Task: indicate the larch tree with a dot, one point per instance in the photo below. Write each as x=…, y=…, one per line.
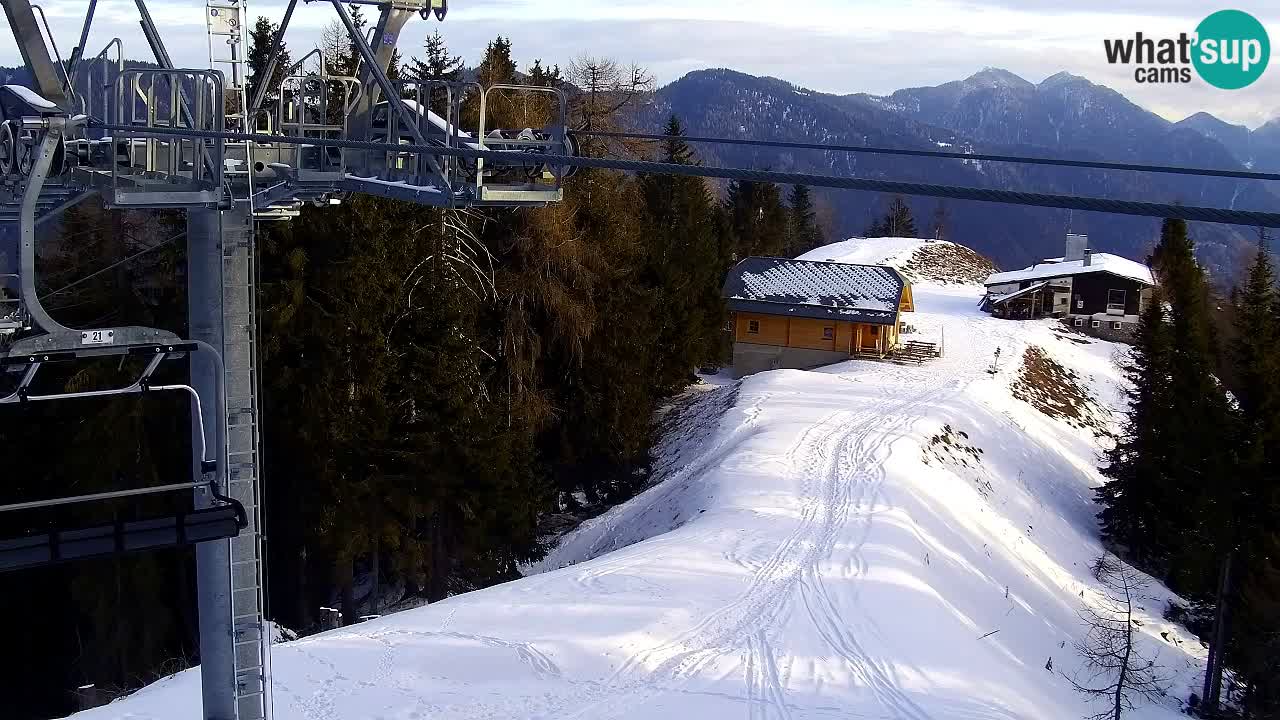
x=1116, y=673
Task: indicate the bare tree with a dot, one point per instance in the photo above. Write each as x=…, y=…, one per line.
x=1116, y=672
x=603, y=88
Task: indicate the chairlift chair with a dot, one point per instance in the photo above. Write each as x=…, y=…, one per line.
x=32, y=339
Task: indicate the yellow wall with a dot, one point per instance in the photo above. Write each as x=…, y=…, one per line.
x=807, y=333
x=845, y=336
x=773, y=329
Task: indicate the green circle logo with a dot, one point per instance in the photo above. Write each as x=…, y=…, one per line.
x=1232, y=49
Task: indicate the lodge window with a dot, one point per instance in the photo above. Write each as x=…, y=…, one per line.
x=1079, y=322
x=1115, y=300
x=1116, y=326
x=753, y=327
x=1079, y=302
x=1095, y=324
x=828, y=333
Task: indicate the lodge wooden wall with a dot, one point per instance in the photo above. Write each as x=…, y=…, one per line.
x=809, y=333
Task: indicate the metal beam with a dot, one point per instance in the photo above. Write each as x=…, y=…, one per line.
x=30, y=41
x=390, y=22
x=410, y=119
x=77, y=52
x=27, y=228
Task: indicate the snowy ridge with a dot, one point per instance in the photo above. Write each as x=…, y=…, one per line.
x=864, y=541
x=918, y=259
x=892, y=251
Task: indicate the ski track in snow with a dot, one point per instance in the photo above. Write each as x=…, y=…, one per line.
x=780, y=572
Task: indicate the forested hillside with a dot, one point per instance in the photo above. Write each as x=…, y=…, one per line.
x=439, y=386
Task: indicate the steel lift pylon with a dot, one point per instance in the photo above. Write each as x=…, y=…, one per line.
x=149, y=138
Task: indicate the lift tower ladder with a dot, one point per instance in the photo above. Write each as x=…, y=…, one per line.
x=252, y=636
x=240, y=356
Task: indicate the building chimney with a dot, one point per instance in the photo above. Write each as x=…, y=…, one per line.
x=1088, y=257
x=1075, y=249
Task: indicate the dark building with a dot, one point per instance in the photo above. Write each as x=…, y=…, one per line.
x=1098, y=293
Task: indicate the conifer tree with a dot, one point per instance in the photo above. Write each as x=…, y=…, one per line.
x=1258, y=630
x=757, y=218
x=1134, y=497
x=1199, y=422
x=1255, y=354
x=439, y=63
x=803, y=233
x=684, y=266
x=1256, y=362
x=897, y=222
x=261, y=38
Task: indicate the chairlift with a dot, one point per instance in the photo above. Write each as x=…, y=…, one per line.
x=32, y=339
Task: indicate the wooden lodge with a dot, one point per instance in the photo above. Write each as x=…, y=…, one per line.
x=1096, y=293
x=802, y=314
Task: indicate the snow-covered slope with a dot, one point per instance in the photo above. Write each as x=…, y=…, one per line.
x=865, y=541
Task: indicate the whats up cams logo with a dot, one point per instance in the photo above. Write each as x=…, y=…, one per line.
x=1229, y=50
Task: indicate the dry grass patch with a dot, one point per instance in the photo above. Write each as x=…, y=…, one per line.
x=951, y=448
x=1044, y=384
x=946, y=262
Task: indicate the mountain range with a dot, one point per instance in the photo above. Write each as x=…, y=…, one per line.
x=993, y=111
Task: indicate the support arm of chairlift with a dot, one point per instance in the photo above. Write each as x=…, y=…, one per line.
x=35, y=54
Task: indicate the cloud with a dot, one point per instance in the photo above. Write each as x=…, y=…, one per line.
x=841, y=46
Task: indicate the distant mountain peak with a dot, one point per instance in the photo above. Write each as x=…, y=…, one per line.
x=1206, y=121
x=1064, y=78
x=1201, y=116
x=994, y=76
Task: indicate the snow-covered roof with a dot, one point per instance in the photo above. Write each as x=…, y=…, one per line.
x=1005, y=297
x=823, y=290
x=1100, y=262
x=30, y=97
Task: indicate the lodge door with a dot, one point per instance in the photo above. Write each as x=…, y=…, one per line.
x=870, y=337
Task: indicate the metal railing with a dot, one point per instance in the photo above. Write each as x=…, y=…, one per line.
x=553, y=142
x=444, y=131
x=181, y=99
x=306, y=109
x=103, y=92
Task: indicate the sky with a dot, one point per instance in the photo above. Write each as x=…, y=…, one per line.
x=837, y=46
